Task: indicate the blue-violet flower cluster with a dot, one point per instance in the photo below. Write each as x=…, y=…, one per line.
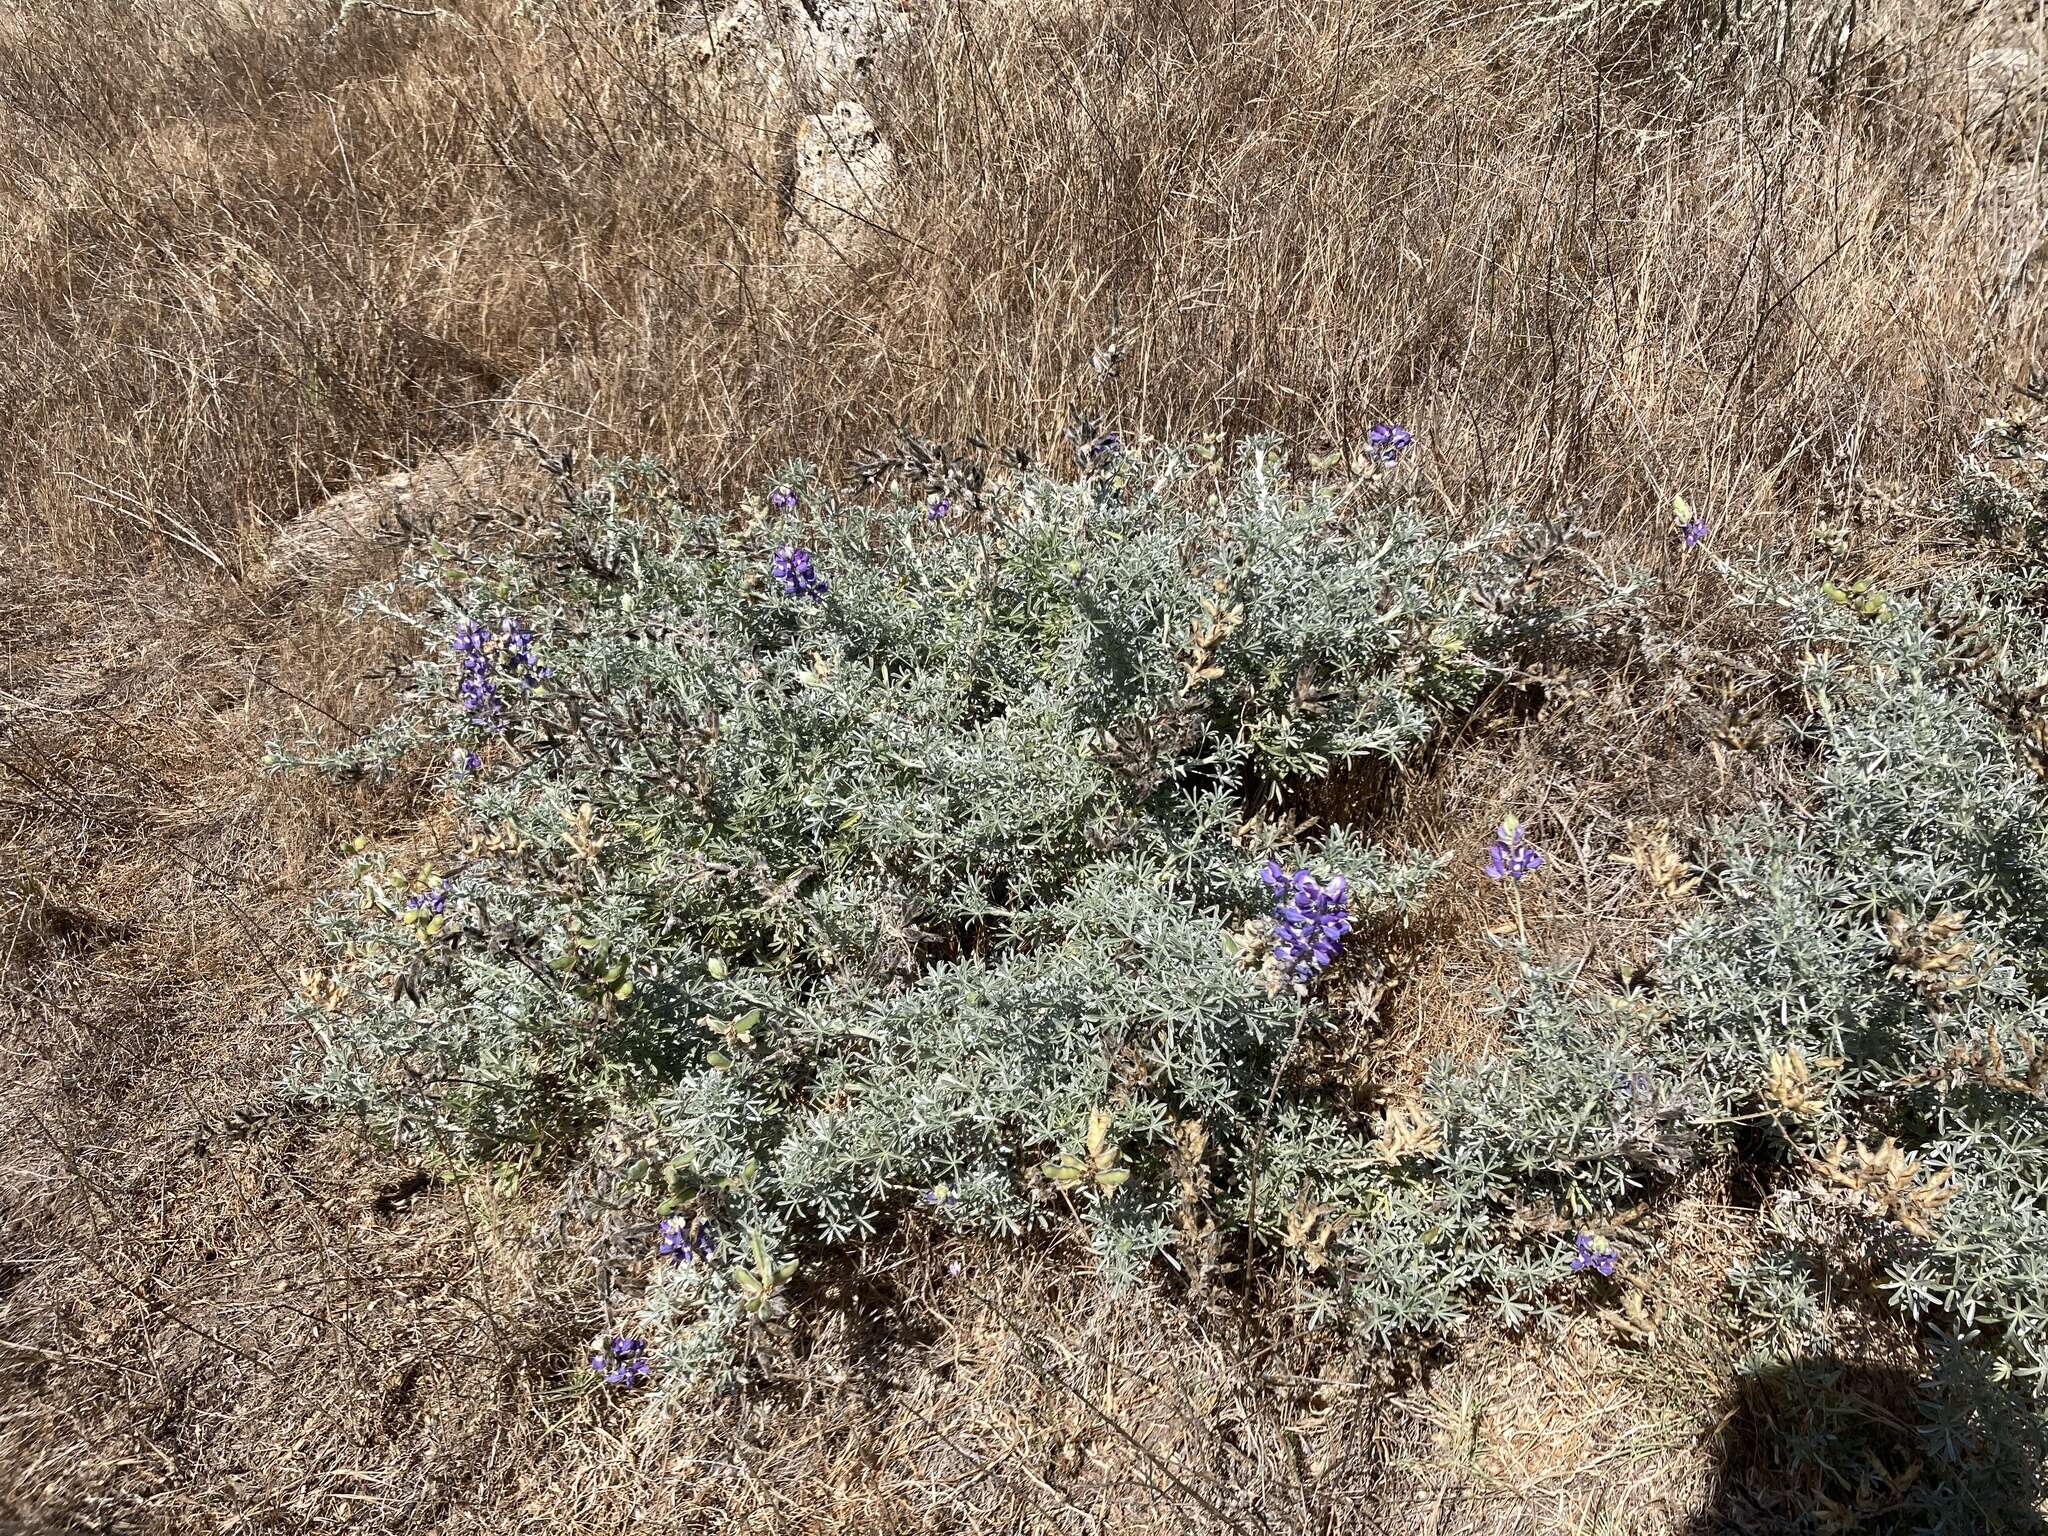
x=796, y=575
x=1592, y=1253
x=487, y=656
x=1309, y=919
x=1388, y=441
x=622, y=1362
x=1508, y=857
x=687, y=1240
x=1099, y=451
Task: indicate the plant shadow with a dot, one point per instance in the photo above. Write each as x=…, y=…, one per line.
x=1830, y=1443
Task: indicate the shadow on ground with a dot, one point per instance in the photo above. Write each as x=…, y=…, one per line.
x=1831, y=1444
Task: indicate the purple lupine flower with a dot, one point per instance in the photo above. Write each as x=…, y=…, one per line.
x=797, y=576
x=1100, y=450
x=468, y=642
x=1508, y=857
x=1388, y=441
x=938, y=509
x=1592, y=1253
x=1694, y=531
x=486, y=655
x=622, y=1362
x=515, y=652
x=479, y=695
x=1309, y=919
x=434, y=901
x=687, y=1240
x=467, y=762
x=938, y=1195
x=782, y=499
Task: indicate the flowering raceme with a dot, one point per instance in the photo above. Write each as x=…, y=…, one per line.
x=1592, y=1253
x=1388, y=441
x=1689, y=524
x=485, y=657
x=795, y=573
x=622, y=1362
x=478, y=693
x=687, y=1240
x=1508, y=857
x=1309, y=919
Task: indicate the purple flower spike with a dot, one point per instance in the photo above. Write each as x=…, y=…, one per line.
x=782, y=499
x=1098, y=451
x=938, y=509
x=1310, y=919
x=1592, y=1253
x=1388, y=441
x=515, y=653
x=1508, y=857
x=486, y=655
x=478, y=693
x=622, y=1362
x=687, y=1240
x=796, y=575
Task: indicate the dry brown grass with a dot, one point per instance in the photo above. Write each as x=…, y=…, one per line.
x=257, y=254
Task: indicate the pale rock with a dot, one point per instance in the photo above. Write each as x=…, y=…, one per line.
x=841, y=179
x=346, y=539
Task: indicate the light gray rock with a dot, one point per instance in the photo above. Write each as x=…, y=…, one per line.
x=811, y=51
x=843, y=175
x=345, y=539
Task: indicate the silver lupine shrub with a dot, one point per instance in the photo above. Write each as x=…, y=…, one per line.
x=829, y=854
x=1855, y=1007
x=943, y=875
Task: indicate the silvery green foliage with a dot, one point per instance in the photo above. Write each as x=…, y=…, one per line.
x=940, y=892
x=1885, y=930
x=936, y=889
x=1925, y=811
